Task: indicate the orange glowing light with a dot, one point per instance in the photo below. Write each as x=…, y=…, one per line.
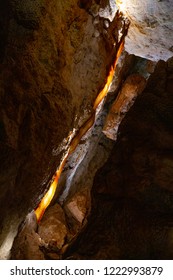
x=46, y=200
x=105, y=90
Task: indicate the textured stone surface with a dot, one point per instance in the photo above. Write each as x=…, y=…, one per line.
x=94, y=148
x=43, y=241
x=54, y=58
x=132, y=195
x=78, y=206
x=54, y=230
x=27, y=244
x=131, y=88
x=52, y=227
x=51, y=69
x=151, y=30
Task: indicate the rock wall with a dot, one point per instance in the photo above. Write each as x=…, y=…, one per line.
x=151, y=31
x=132, y=195
x=54, y=58
x=52, y=236
x=52, y=66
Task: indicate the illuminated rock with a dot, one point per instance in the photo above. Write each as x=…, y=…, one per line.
x=151, y=29
x=55, y=57
x=132, y=87
x=132, y=210
x=52, y=67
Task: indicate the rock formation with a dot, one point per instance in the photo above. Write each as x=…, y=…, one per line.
x=132, y=194
x=52, y=67
x=54, y=59
x=151, y=30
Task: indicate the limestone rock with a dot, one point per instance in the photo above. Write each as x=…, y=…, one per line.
x=131, y=88
x=151, y=30
x=51, y=69
x=52, y=228
x=79, y=205
x=132, y=196
x=27, y=243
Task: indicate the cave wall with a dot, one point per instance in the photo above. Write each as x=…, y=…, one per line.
x=132, y=195
x=151, y=30
x=52, y=65
x=54, y=57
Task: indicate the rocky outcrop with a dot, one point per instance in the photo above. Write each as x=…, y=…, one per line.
x=53, y=227
x=151, y=30
x=54, y=58
x=59, y=226
x=52, y=67
x=28, y=243
x=131, y=214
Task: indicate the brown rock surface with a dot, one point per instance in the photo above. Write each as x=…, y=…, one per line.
x=132, y=195
x=51, y=69
x=52, y=227
x=27, y=244
x=78, y=206
x=132, y=87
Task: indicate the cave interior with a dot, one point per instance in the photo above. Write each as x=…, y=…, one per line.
x=86, y=130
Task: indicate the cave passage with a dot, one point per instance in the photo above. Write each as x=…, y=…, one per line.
x=46, y=200
x=86, y=117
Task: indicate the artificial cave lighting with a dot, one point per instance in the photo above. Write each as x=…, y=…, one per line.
x=86, y=142
x=47, y=198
